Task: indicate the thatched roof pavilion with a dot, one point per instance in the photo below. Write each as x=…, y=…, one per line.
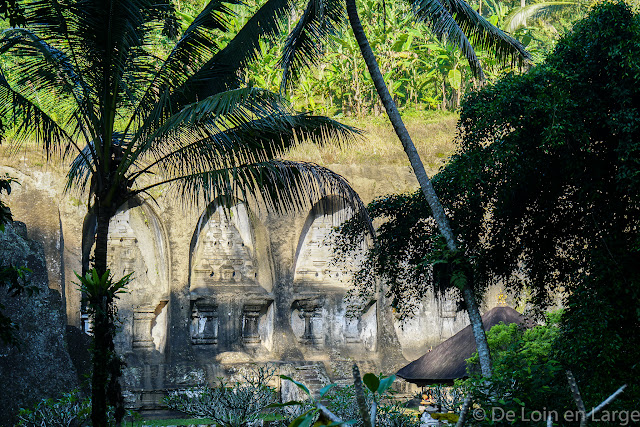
x=446, y=362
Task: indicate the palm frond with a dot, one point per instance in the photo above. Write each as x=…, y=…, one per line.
x=108, y=41
x=454, y=21
x=28, y=120
x=225, y=70
x=203, y=119
x=256, y=140
x=305, y=45
x=81, y=170
x=278, y=186
x=196, y=45
x=44, y=17
x=518, y=17
x=43, y=69
x=185, y=78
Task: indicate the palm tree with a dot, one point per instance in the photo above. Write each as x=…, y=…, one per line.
x=451, y=20
x=81, y=78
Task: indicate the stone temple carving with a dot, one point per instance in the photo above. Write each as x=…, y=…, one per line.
x=319, y=313
x=314, y=264
x=204, y=324
x=212, y=291
x=224, y=256
x=363, y=329
x=307, y=322
x=136, y=247
x=231, y=309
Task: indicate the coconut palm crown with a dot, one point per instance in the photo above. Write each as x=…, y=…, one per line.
x=80, y=77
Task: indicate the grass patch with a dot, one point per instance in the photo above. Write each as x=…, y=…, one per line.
x=432, y=132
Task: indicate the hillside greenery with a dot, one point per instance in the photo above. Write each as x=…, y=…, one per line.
x=422, y=73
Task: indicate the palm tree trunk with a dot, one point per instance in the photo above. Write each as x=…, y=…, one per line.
x=100, y=377
x=105, y=389
x=103, y=214
x=425, y=184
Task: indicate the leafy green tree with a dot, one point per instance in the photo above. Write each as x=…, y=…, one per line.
x=451, y=20
x=82, y=79
x=528, y=378
x=545, y=192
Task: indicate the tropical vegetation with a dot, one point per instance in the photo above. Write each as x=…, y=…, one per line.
x=455, y=22
x=233, y=404
x=544, y=193
x=527, y=373
x=423, y=72
x=80, y=79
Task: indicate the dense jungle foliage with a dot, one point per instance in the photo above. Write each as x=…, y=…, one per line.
x=544, y=196
x=421, y=72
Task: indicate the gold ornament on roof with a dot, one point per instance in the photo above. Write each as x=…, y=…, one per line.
x=502, y=299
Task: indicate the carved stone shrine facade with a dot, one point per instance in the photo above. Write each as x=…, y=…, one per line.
x=218, y=288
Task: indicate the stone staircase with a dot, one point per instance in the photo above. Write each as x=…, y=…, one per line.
x=338, y=370
x=313, y=375
x=341, y=369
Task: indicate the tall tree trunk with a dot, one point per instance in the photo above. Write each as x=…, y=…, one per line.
x=100, y=376
x=107, y=366
x=103, y=217
x=425, y=184
x=101, y=327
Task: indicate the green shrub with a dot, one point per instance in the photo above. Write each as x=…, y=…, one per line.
x=342, y=402
x=527, y=379
x=70, y=410
x=237, y=404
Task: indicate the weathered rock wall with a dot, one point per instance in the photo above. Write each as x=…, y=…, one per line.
x=41, y=366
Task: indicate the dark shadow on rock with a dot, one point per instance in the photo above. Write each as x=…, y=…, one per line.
x=79, y=344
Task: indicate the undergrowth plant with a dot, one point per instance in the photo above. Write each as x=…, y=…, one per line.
x=72, y=409
x=232, y=404
x=99, y=294
x=69, y=411
x=368, y=402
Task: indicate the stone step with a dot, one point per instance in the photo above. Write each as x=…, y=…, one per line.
x=314, y=377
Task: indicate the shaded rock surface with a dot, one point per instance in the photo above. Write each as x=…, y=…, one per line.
x=41, y=367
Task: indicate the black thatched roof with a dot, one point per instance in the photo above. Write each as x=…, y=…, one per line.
x=446, y=362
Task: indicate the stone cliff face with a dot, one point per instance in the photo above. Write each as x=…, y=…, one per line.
x=40, y=367
x=214, y=289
